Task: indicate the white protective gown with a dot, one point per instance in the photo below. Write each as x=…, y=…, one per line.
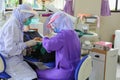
x=11, y=47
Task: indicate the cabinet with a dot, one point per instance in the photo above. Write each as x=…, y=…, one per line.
x=104, y=64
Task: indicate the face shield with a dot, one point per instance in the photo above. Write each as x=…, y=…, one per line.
x=60, y=21
x=31, y=18
x=29, y=11
x=51, y=25
x=35, y=20
x=55, y=29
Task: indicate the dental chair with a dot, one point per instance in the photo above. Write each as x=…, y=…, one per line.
x=84, y=68
x=3, y=74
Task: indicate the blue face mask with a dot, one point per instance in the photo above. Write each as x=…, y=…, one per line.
x=27, y=22
x=56, y=30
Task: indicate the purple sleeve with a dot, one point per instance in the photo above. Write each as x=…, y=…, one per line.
x=54, y=43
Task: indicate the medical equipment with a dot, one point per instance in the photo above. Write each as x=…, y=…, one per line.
x=84, y=27
x=88, y=35
x=104, y=64
x=87, y=45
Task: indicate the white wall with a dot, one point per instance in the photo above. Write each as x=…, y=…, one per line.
x=108, y=24
x=87, y=6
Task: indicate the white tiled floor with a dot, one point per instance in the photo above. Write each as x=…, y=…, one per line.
x=118, y=72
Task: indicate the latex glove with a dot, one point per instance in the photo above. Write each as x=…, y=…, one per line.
x=50, y=35
x=38, y=39
x=31, y=43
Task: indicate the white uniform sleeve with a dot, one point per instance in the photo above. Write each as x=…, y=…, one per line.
x=13, y=40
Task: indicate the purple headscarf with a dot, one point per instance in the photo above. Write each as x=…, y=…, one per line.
x=21, y=16
x=60, y=21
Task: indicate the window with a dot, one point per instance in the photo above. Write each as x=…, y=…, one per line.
x=114, y=5
x=118, y=5
x=10, y=4
x=36, y=4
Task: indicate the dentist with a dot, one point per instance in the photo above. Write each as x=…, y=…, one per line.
x=12, y=45
x=66, y=44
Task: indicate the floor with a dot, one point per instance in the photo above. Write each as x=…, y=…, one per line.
x=118, y=72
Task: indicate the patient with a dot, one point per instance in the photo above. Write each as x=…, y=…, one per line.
x=67, y=46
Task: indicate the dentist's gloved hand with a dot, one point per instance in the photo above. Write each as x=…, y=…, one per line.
x=31, y=43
